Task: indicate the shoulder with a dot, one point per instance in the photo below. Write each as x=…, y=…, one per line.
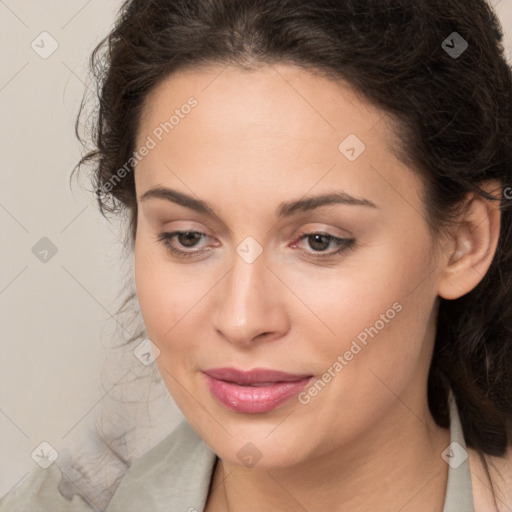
x=181, y=444
x=39, y=492
x=177, y=470
x=500, y=472
x=174, y=473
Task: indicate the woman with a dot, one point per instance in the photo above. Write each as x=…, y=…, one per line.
x=319, y=199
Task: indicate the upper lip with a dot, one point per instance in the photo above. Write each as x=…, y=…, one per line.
x=256, y=375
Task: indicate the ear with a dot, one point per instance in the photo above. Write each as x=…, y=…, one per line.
x=472, y=245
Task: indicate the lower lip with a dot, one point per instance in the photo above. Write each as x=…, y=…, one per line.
x=254, y=399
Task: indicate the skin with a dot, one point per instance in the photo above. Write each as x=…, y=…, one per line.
x=257, y=139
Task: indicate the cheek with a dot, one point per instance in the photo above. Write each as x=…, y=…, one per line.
x=375, y=308
x=166, y=294
x=379, y=309
x=166, y=299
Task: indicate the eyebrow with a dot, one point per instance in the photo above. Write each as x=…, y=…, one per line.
x=285, y=209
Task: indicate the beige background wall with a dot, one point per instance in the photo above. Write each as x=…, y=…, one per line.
x=53, y=312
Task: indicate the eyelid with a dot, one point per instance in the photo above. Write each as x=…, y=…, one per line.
x=343, y=244
x=313, y=228
x=170, y=235
x=166, y=237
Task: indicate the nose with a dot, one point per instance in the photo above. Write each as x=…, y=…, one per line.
x=249, y=305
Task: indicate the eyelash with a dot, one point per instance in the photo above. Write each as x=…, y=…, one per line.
x=345, y=244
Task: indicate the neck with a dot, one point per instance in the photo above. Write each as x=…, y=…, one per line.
x=396, y=465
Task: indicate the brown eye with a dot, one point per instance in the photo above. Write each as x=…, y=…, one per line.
x=185, y=239
x=188, y=238
x=320, y=242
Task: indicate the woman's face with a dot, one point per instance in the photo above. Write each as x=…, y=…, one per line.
x=338, y=293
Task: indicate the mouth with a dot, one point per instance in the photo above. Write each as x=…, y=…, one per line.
x=254, y=391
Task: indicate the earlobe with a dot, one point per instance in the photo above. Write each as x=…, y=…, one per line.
x=470, y=255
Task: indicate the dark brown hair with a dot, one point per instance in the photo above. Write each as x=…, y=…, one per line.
x=455, y=127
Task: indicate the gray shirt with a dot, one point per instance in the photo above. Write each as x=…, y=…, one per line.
x=175, y=475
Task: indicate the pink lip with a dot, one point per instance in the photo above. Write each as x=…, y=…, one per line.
x=237, y=390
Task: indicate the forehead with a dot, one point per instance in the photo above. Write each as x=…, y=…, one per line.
x=267, y=99
x=276, y=125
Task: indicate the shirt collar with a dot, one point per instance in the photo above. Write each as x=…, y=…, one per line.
x=459, y=493
x=176, y=473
